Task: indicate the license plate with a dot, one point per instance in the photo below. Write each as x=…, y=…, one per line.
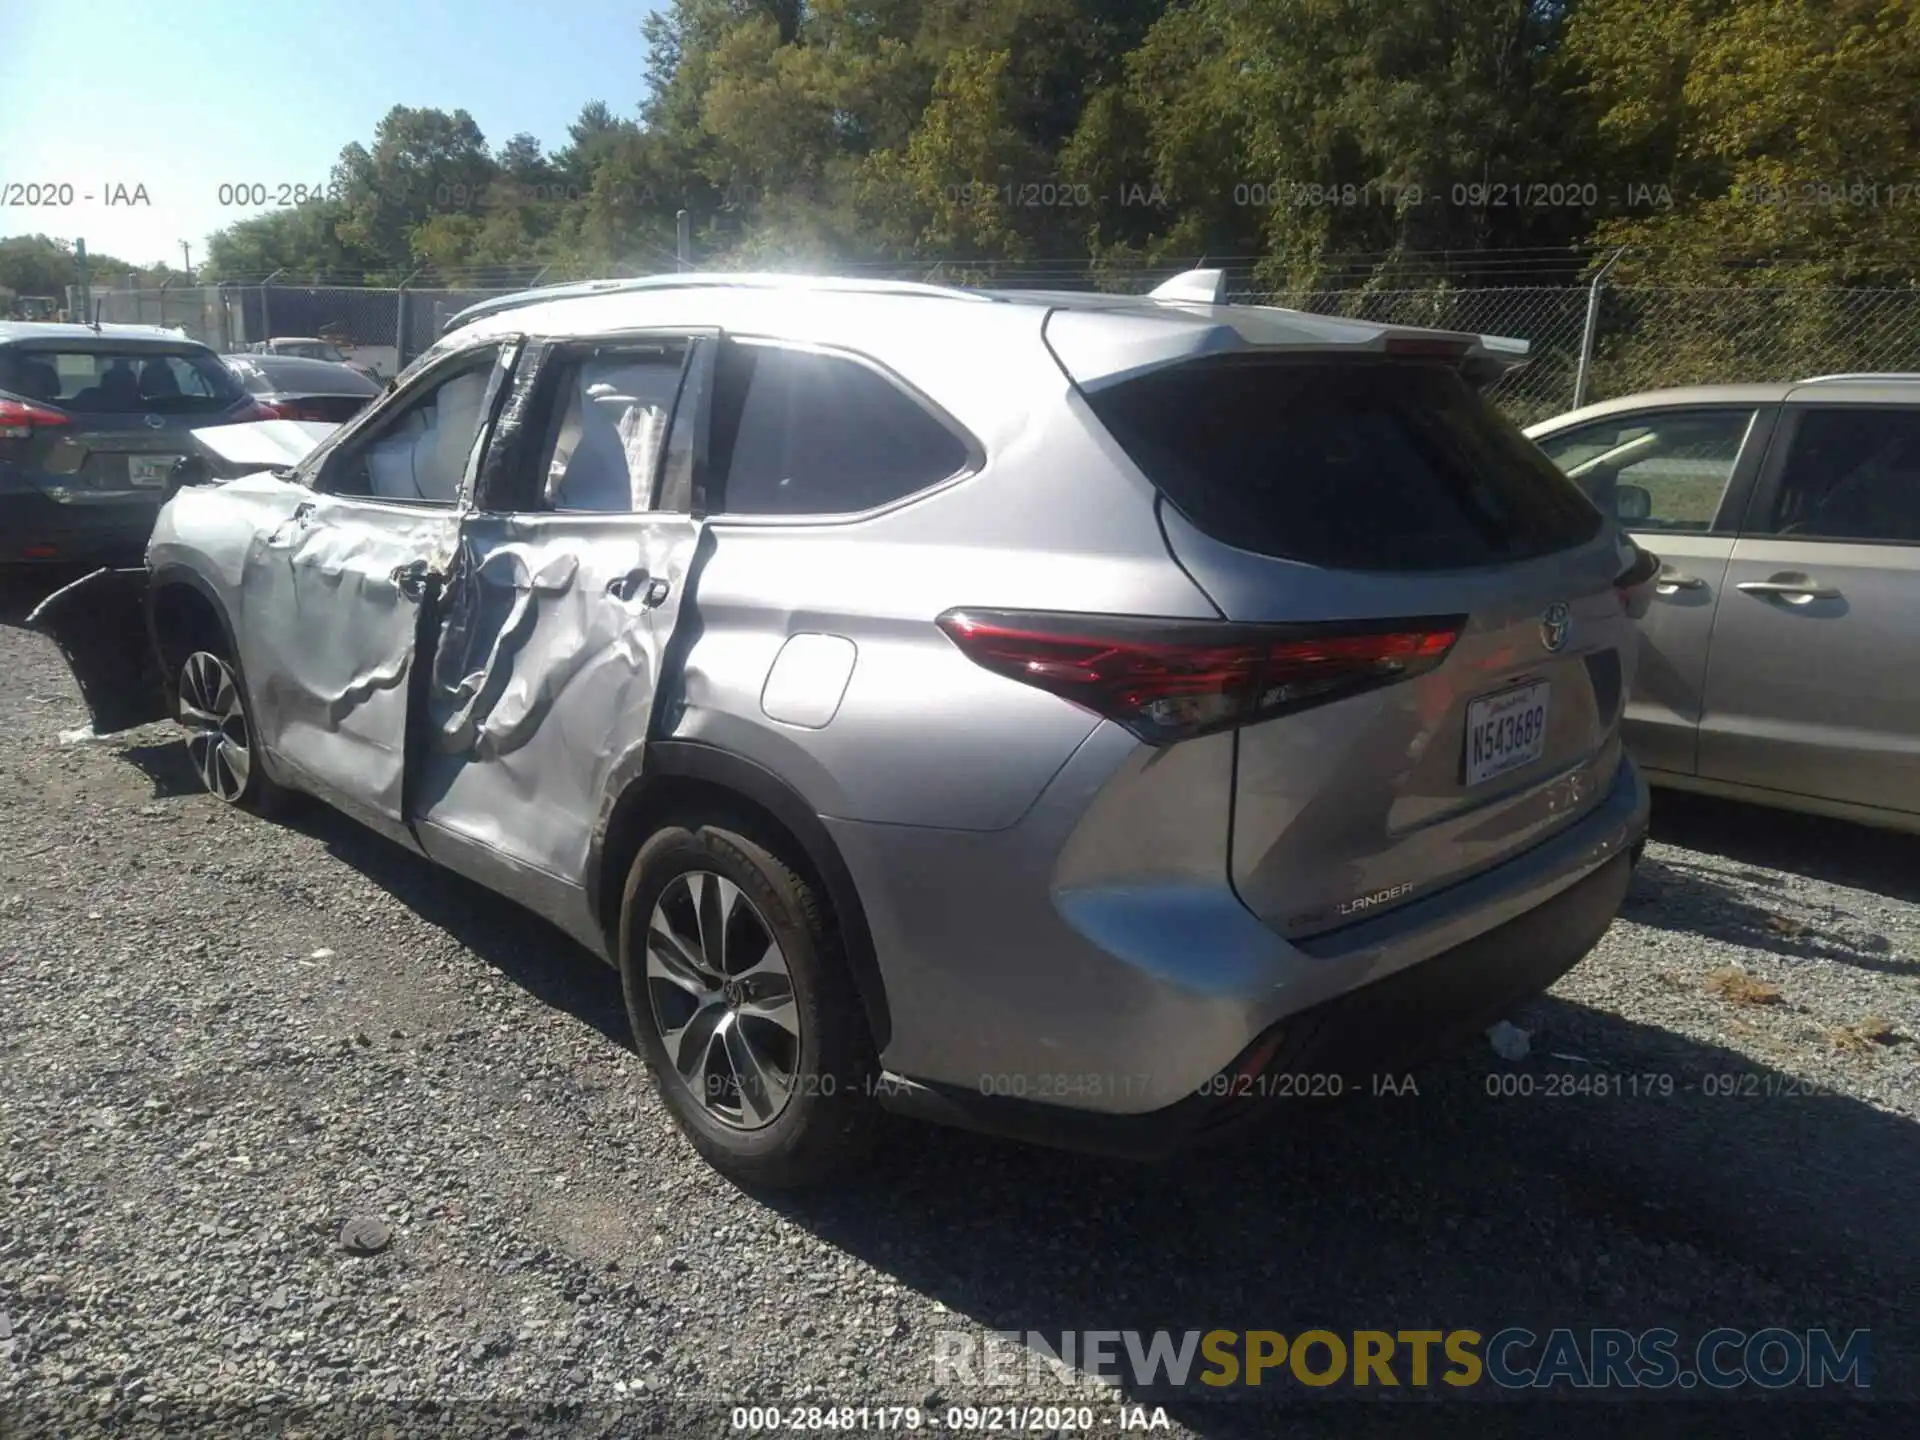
x=150, y=471
x=1506, y=731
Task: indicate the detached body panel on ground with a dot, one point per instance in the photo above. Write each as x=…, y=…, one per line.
x=962, y=734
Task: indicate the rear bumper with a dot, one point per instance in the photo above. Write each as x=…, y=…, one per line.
x=36, y=530
x=1116, y=999
x=1335, y=1048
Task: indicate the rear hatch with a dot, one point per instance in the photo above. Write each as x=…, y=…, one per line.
x=103, y=422
x=1346, y=486
x=295, y=387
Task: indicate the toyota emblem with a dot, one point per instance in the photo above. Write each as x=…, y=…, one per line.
x=1555, y=626
x=156, y=422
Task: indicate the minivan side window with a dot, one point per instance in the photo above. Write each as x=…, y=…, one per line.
x=1679, y=463
x=418, y=454
x=796, y=432
x=1851, y=474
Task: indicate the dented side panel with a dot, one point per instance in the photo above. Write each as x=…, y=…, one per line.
x=332, y=602
x=546, y=672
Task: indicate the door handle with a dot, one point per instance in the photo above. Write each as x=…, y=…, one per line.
x=285, y=534
x=1669, y=582
x=411, y=579
x=629, y=586
x=1797, y=588
x=639, y=584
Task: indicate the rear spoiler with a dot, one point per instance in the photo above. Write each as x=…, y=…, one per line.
x=1187, y=317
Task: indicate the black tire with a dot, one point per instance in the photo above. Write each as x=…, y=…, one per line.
x=209, y=747
x=827, y=1120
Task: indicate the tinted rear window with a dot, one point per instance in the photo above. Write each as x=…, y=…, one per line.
x=1361, y=466
x=112, y=381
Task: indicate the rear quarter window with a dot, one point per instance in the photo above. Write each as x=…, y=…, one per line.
x=797, y=432
x=1361, y=465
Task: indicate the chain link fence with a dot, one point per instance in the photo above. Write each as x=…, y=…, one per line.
x=381, y=327
x=1644, y=337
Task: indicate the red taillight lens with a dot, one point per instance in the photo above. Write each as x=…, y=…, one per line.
x=267, y=410
x=19, y=419
x=1166, y=680
x=288, y=410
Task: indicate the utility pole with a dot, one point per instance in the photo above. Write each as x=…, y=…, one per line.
x=86, y=285
x=683, y=240
x=186, y=260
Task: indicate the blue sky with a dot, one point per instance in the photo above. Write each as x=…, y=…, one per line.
x=182, y=97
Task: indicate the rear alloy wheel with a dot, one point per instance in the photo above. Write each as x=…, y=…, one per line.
x=213, y=708
x=722, y=999
x=743, y=1006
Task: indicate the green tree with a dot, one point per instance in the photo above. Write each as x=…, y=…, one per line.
x=44, y=265
x=422, y=163
x=1782, y=130
x=1299, y=129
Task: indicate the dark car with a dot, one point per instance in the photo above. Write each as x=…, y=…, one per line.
x=293, y=387
x=92, y=423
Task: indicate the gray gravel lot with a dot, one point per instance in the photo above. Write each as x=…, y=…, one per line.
x=221, y=1039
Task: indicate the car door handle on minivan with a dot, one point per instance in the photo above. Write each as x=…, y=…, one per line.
x=411, y=580
x=1797, y=589
x=1669, y=582
x=641, y=585
x=290, y=529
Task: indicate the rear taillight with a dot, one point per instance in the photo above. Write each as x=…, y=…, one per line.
x=19, y=419
x=289, y=410
x=1167, y=680
x=266, y=410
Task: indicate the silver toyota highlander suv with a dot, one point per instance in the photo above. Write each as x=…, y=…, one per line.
x=1071, y=716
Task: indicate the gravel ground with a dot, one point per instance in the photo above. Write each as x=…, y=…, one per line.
x=221, y=1040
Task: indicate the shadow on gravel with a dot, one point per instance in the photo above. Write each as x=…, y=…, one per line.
x=1696, y=900
x=1885, y=862
x=166, y=765
x=1458, y=1208
x=540, y=959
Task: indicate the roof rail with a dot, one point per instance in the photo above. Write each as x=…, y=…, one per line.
x=686, y=280
x=1860, y=377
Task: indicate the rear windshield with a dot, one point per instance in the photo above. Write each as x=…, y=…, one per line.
x=310, y=349
x=291, y=374
x=1369, y=465
x=117, y=382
